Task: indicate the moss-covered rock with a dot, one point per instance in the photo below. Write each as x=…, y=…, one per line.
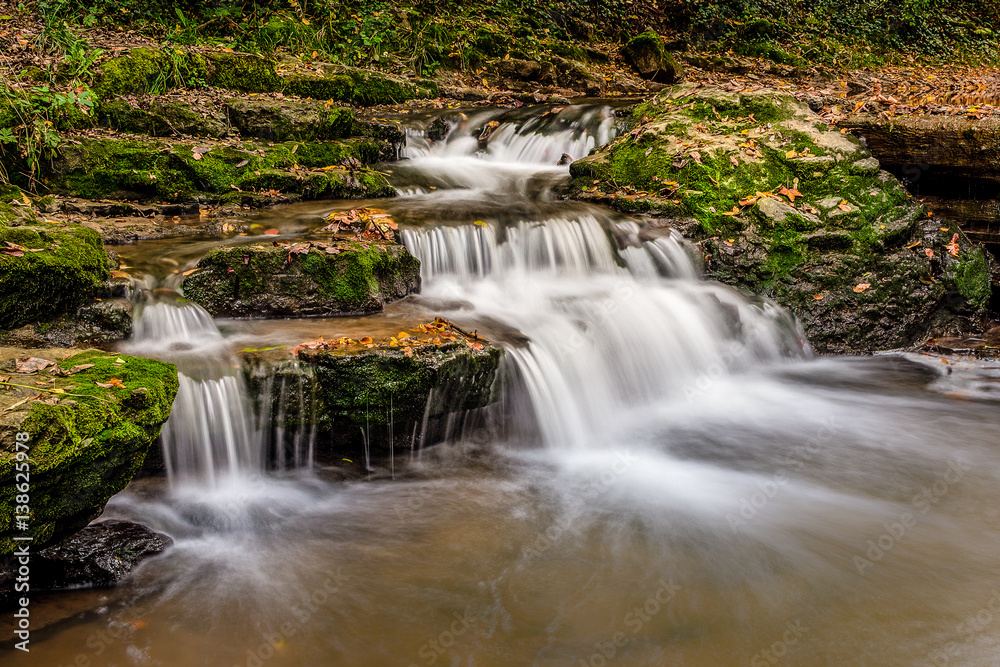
x=782, y=205
x=48, y=271
x=99, y=323
x=648, y=56
x=142, y=169
x=245, y=72
x=303, y=281
x=283, y=119
x=357, y=86
x=164, y=117
x=85, y=441
x=142, y=70
x=403, y=387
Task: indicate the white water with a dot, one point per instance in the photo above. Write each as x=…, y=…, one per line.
x=614, y=321
x=210, y=438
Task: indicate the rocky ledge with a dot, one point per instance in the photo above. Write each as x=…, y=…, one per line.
x=397, y=390
x=784, y=205
x=359, y=270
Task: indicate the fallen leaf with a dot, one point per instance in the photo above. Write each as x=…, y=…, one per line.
x=113, y=382
x=29, y=365
x=859, y=288
x=271, y=232
x=817, y=296
x=790, y=193
x=366, y=340
x=953, y=246
x=929, y=253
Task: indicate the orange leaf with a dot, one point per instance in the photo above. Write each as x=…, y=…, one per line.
x=271, y=232
x=861, y=287
x=790, y=193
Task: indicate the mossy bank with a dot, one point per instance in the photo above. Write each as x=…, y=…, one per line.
x=785, y=206
x=89, y=429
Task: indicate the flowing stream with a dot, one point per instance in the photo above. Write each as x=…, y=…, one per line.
x=673, y=479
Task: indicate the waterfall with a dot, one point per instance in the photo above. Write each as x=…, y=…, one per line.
x=613, y=323
x=210, y=436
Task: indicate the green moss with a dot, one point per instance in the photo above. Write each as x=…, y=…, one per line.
x=134, y=169
x=367, y=389
x=70, y=268
x=358, y=86
x=248, y=73
x=269, y=282
x=971, y=276
x=87, y=447
x=135, y=73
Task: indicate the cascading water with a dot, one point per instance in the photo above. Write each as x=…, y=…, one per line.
x=614, y=319
x=209, y=438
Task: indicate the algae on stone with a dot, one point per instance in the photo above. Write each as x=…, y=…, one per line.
x=60, y=268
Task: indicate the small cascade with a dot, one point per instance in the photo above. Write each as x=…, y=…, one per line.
x=286, y=412
x=609, y=329
x=501, y=152
x=210, y=437
x=534, y=139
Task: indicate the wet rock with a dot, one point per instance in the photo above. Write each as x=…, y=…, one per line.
x=47, y=271
x=269, y=281
x=918, y=147
x=784, y=206
x=89, y=429
x=365, y=388
x=102, y=554
x=648, y=56
x=100, y=323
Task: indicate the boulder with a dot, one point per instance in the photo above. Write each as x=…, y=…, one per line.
x=785, y=206
x=102, y=554
x=47, y=271
x=89, y=425
x=648, y=56
x=303, y=280
x=405, y=386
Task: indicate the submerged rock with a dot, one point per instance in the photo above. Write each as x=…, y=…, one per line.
x=783, y=205
x=303, y=280
x=89, y=427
